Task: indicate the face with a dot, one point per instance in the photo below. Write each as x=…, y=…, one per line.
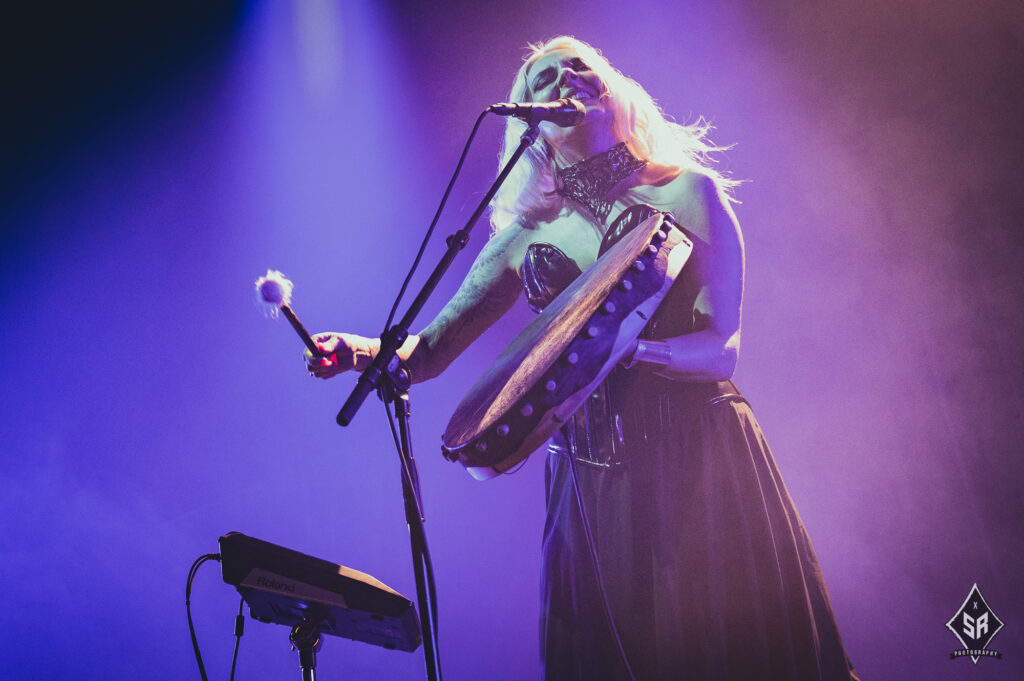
x=561, y=74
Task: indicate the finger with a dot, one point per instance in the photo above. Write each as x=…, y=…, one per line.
x=325, y=340
x=323, y=372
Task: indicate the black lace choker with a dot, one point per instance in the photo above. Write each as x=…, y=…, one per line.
x=589, y=181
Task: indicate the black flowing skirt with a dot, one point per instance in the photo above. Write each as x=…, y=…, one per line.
x=707, y=567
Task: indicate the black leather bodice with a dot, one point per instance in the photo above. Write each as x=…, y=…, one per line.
x=547, y=270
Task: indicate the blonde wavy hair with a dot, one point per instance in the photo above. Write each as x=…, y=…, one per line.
x=530, y=190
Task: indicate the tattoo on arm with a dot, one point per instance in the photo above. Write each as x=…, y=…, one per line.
x=489, y=290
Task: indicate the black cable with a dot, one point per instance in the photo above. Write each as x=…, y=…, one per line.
x=428, y=571
x=406, y=472
x=239, y=628
x=592, y=545
x=426, y=566
x=188, y=608
x=433, y=223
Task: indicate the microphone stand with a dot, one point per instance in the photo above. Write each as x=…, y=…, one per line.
x=387, y=373
x=393, y=338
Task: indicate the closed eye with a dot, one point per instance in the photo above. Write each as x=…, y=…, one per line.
x=543, y=79
x=547, y=76
x=578, y=65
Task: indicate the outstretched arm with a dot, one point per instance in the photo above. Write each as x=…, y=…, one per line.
x=489, y=290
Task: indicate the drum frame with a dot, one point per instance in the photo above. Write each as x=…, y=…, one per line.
x=501, y=430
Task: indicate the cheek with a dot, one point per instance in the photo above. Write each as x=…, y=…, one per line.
x=595, y=82
x=545, y=94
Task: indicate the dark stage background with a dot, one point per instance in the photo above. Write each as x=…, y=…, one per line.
x=157, y=159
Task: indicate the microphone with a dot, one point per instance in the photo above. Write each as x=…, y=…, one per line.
x=563, y=112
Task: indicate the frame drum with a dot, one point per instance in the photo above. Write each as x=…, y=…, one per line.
x=546, y=373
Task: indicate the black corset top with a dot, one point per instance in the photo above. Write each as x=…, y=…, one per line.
x=547, y=270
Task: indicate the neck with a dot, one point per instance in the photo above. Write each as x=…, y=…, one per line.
x=582, y=142
x=592, y=182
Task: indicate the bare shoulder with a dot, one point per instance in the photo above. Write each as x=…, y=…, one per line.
x=698, y=203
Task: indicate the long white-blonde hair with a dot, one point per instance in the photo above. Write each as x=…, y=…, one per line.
x=530, y=190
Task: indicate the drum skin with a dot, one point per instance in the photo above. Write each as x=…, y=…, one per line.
x=545, y=374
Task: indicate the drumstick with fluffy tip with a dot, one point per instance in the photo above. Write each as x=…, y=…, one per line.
x=275, y=290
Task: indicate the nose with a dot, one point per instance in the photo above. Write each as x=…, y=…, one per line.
x=569, y=76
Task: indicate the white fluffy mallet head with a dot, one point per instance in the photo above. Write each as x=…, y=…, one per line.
x=274, y=290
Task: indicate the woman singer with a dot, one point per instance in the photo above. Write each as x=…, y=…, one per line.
x=694, y=543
